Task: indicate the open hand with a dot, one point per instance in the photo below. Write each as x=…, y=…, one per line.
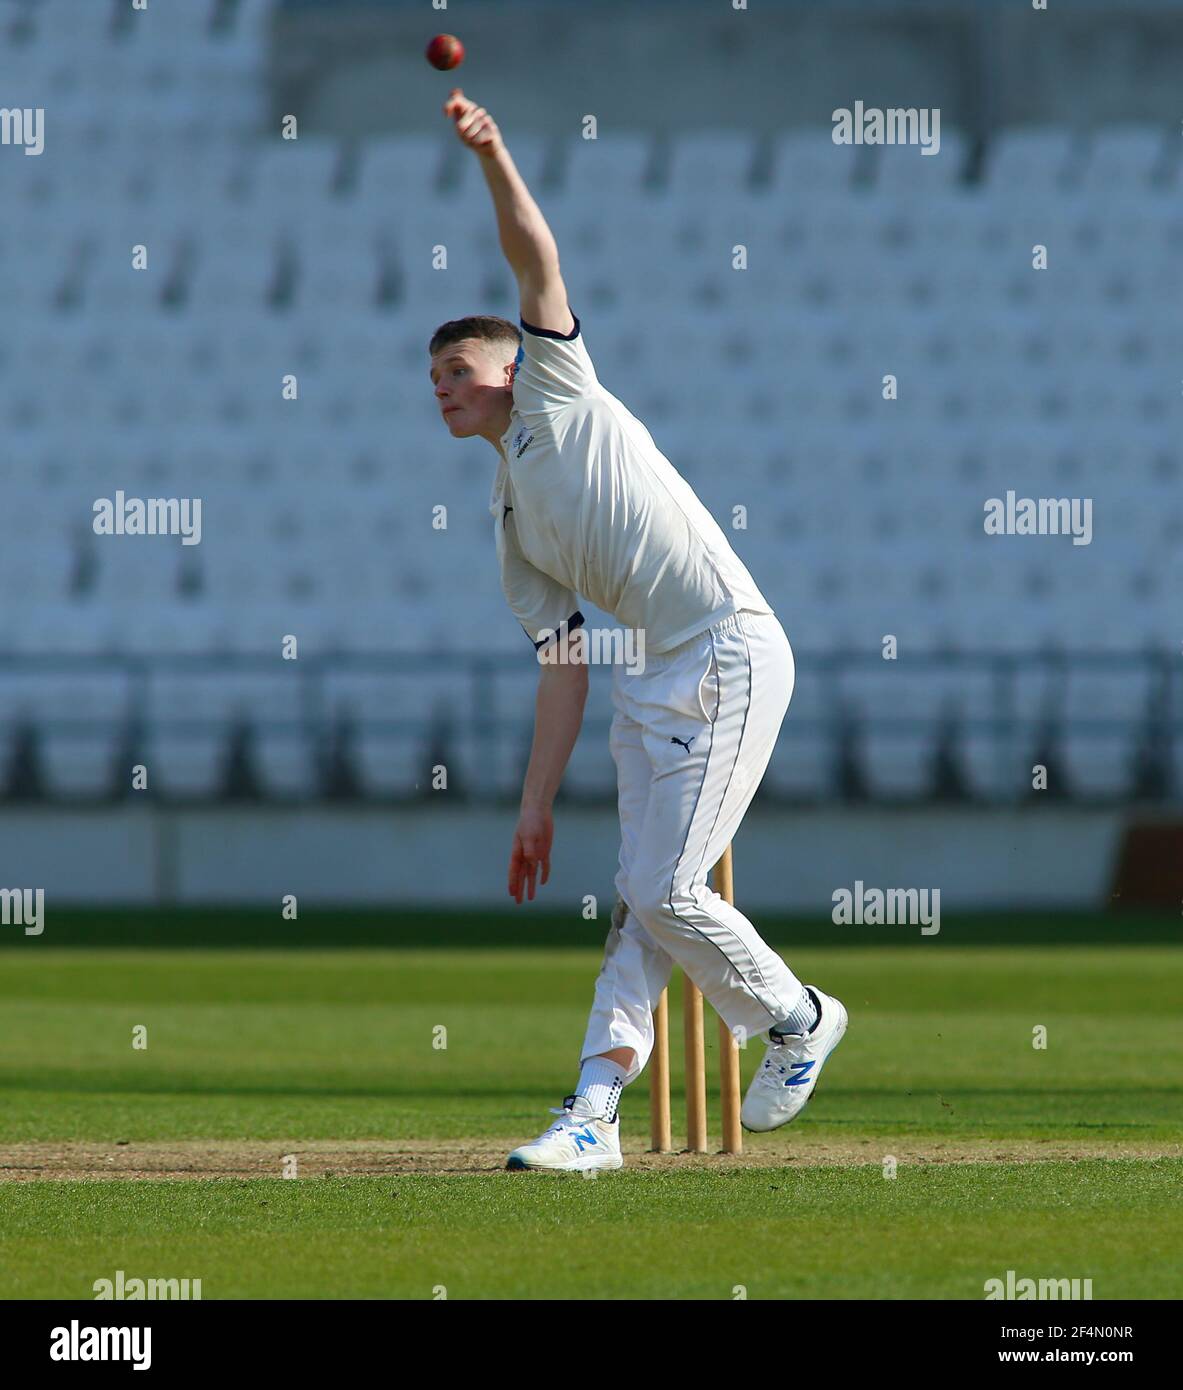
x=531, y=847
x=475, y=127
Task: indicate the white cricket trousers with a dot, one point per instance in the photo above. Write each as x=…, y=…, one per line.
x=691, y=738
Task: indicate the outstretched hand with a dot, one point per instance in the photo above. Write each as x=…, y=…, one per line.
x=475, y=127
x=531, y=848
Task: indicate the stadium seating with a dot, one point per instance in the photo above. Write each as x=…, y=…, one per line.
x=764, y=386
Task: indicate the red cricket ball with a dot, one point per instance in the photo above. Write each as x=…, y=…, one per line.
x=445, y=51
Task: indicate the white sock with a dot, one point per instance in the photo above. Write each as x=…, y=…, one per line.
x=804, y=1017
x=600, y=1083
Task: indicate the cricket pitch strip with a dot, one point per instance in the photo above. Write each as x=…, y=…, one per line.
x=215, y=1159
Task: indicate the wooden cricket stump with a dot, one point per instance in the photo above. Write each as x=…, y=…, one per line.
x=660, y=1131
x=694, y=1041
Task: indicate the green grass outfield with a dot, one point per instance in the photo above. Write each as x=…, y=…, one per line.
x=263, y=1038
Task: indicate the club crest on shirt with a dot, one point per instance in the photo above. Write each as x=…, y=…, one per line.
x=519, y=444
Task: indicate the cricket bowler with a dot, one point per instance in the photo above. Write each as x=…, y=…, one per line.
x=585, y=503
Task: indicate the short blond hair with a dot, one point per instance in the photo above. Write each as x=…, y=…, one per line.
x=486, y=327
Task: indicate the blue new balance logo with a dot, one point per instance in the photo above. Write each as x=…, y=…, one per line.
x=802, y=1070
x=583, y=1136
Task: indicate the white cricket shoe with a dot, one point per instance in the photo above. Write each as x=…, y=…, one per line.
x=785, y=1081
x=575, y=1143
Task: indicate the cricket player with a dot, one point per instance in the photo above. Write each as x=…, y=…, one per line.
x=585, y=503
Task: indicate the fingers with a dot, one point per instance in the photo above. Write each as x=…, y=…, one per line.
x=456, y=102
x=515, y=871
x=474, y=125
x=530, y=866
x=459, y=107
x=539, y=859
x=524, y=863
x=523, y=868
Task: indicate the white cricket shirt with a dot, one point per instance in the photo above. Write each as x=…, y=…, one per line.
x=585, y=503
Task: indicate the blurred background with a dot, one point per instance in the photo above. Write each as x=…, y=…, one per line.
x=314, y=262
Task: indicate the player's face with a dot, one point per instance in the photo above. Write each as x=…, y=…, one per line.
x=472, y=389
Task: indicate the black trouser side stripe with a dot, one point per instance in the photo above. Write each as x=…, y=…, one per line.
x=753, y=970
